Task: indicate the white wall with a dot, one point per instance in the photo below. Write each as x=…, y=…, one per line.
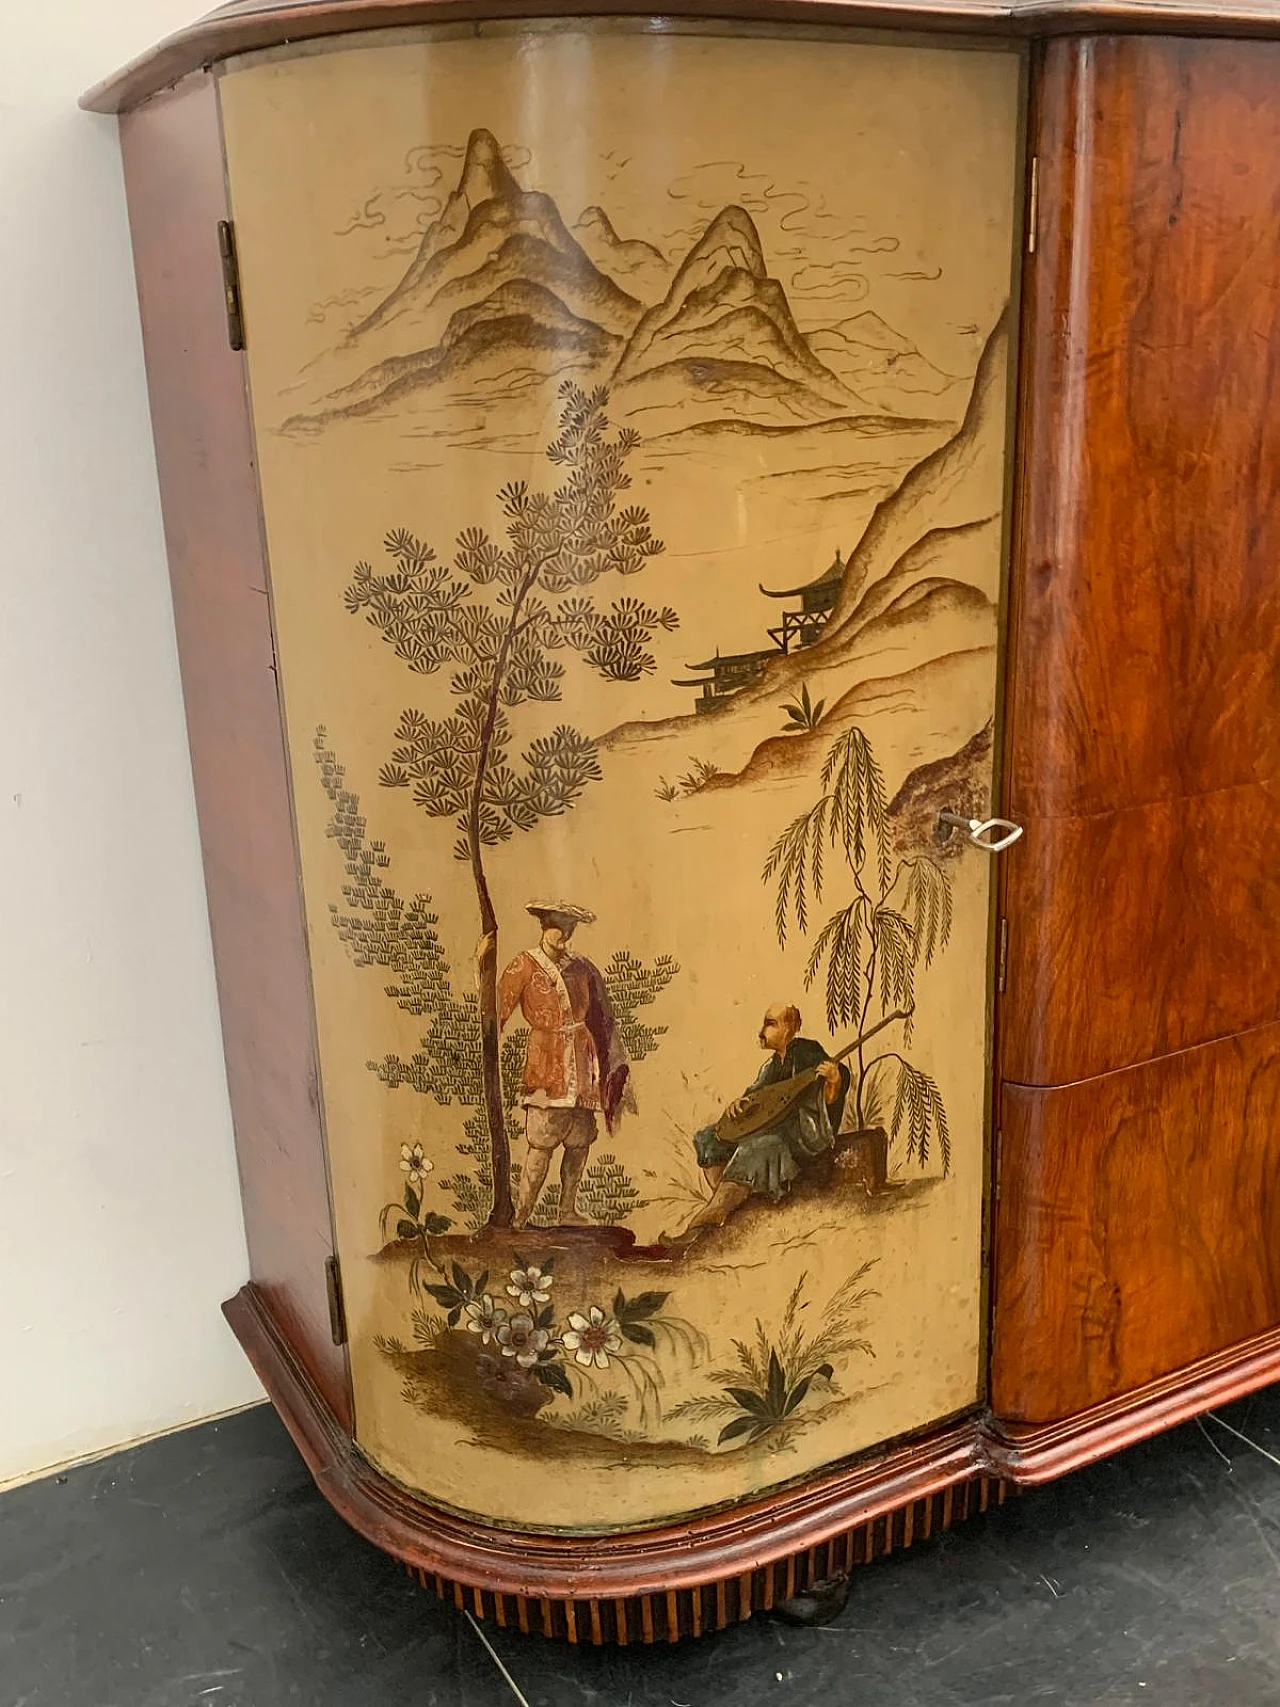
x=120, y=1228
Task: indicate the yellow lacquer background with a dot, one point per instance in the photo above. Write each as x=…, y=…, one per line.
x=880, y=177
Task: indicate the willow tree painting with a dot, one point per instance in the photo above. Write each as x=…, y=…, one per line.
x=497, y=617
x=869, y=952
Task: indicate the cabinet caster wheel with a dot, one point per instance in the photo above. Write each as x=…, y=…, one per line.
x=819, y=1603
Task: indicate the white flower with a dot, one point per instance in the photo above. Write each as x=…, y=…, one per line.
x=591, y=1337
x=529, y=1286
x=484, y=1318
x=521, y=1340
x=414, y=1163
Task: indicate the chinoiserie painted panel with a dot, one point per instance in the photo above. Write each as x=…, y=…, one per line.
x=632, y=415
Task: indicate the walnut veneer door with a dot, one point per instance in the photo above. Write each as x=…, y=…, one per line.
x=632, y=416
x=1139, y=1225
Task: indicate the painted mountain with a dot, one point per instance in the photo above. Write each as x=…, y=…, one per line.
x=498, y=295
x=723, y=342
x=883, y=366
x=492, y=233
x=913, y=628
x=631, y=263
x=502, y=299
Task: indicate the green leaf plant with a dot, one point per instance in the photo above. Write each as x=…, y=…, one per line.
x=802, y=713
x=763, y=1390
x=868, y=953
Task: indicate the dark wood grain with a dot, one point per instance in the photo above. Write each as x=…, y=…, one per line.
x=204, y=454
x=1144, y=702
x=253, y=25
x=1138, y=1225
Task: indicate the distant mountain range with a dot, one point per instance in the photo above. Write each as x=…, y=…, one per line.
x=633, y=264
x=724, y=339
x=501, y=296
x=913, y=631
x=884, y=367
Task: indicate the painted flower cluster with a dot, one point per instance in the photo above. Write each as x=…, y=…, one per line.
x=519, y=1322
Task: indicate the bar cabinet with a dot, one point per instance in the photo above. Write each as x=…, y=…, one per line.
x=725, y=575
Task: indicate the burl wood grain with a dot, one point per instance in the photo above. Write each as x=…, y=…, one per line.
x=1138, y=933
x=1144, y=711
x=1140, y=1225
x=204, y=452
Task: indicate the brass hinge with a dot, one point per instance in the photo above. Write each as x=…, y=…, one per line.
x=1033, y=204
x=1002, y=963
x=337, y=1307
x=231, y=283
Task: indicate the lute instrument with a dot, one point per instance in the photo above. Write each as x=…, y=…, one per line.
x=759, y=1110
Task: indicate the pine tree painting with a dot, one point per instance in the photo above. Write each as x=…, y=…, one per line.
x=497, y=618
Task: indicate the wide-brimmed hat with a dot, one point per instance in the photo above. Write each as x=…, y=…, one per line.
x=561, y=910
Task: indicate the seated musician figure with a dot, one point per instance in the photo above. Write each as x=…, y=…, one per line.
x=766, y=1162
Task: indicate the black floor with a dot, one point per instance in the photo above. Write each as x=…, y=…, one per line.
x=204, y=1570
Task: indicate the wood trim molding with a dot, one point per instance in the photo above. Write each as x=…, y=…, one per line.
x=721, y=1545
x=1028, y=1456
x=712, y=1606
x=254, y=25
x=704, y=1572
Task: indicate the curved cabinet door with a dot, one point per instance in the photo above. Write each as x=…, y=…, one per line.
x=632, y=412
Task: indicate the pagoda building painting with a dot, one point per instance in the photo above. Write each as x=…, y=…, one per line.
x=733, y=671
x=817, y=600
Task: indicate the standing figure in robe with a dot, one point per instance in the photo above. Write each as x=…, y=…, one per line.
x=575, y=1068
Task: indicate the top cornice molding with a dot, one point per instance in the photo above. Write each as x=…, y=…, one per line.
x=251, y=26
